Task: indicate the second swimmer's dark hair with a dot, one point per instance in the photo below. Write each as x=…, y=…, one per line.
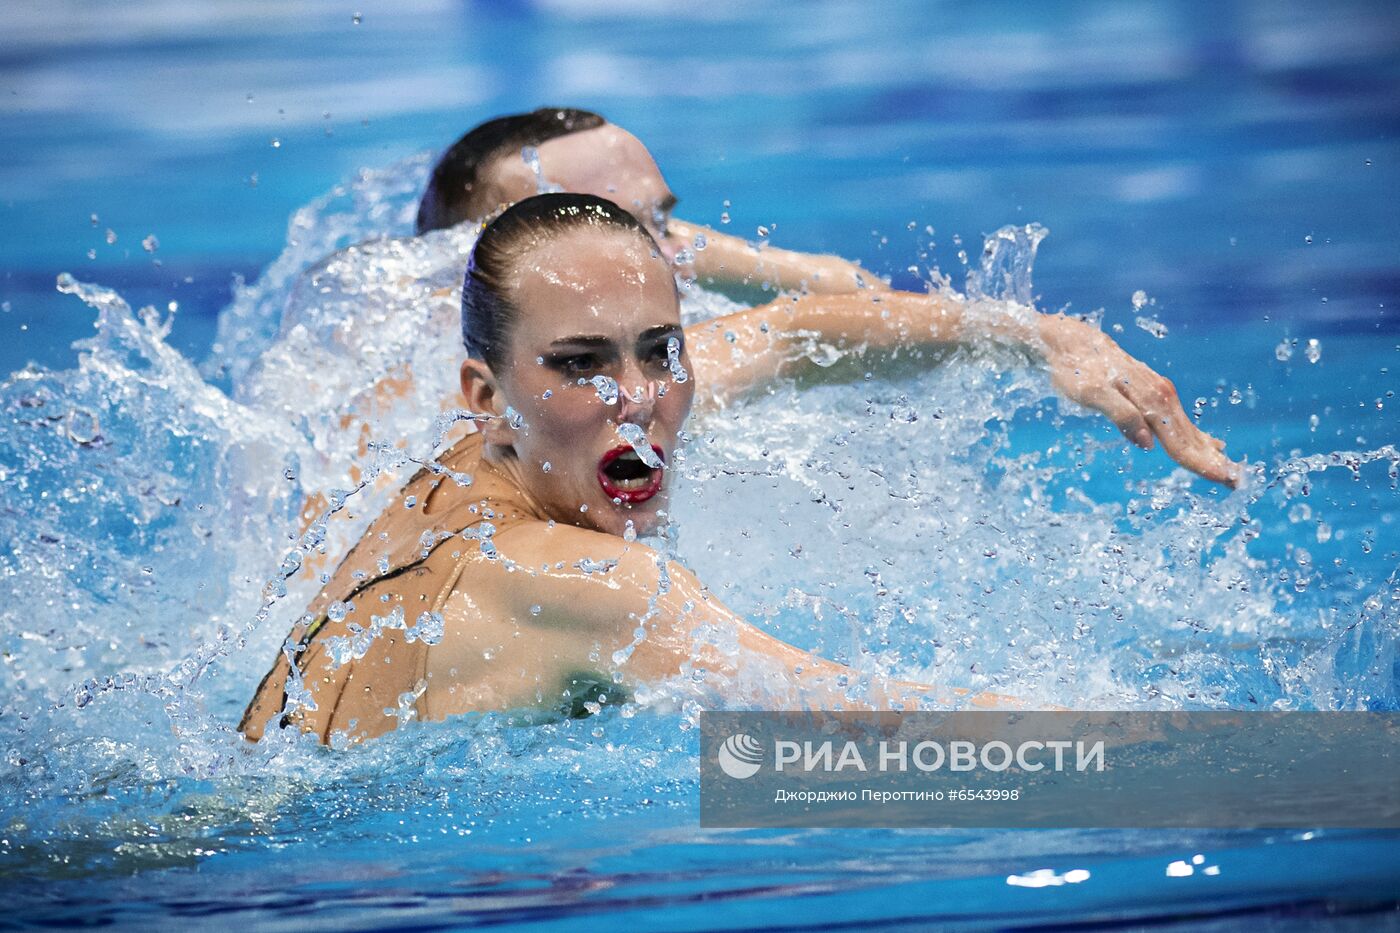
x=487, y=311
x=455, y=191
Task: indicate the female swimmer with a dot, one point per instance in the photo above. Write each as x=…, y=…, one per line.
x=507, y=575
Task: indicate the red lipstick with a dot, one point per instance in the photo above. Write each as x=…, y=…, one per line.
x=624, y=476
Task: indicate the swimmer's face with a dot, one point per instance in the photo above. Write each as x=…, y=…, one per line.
x=606, y=161
x=593, y=303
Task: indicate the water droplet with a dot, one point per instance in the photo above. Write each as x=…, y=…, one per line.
x=111, y=236
x=629, y=533
x=762, y=231
x=724, y=217
x=1284, y=351
x=357, y=19
x=1152, y=326
x=536, y=609
x=636, y=438
x=337, y=611
x=1139, y=300
x=673, y=361
x=1313, y=351
x=607, y=390
x=428, y=629
x=546, y=466
x=276, y=143
x=150, y=244
x=1308, y=239
x=1235, y=397
x=82, y=427
x=700, y=242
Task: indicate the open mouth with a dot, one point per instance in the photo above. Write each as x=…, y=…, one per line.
x=624, y=476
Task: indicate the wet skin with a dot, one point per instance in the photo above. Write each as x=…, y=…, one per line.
x=522, y=616
x=612, y=312
x=1085, y=364
x=606, y=161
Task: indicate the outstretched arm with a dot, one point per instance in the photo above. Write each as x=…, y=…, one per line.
x=729, y=259
x=655, y=620
x=733, y=353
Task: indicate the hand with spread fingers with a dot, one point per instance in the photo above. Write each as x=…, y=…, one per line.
x=1087, y=367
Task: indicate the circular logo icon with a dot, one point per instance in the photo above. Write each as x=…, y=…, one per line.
x=740, y=756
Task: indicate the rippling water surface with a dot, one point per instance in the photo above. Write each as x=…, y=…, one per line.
x=1238, y=166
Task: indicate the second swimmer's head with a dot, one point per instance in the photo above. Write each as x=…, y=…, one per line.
x=510, y=158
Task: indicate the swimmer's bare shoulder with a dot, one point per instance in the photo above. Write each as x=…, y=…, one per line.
x=555, y=600
x=524, y=618
x=569, y=599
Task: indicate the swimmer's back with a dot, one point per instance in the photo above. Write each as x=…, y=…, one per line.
x=449, y=604
x=362, y=646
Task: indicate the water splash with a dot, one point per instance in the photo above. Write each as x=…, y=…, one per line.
x=155, y=552
x=607, y=389
x=1008, y=259
x=636, y=438
x=531, y=157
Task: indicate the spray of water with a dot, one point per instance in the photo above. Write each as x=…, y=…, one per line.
x=163, y=525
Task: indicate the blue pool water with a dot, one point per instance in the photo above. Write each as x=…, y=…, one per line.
x=1237, y=163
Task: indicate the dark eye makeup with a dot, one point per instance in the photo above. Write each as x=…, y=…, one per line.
x=570, y=358
x=574, y=364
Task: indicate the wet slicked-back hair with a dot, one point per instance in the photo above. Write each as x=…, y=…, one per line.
x=454, y=190
x=488, y=315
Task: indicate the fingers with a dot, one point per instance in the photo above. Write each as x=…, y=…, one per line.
x=1088, y=367
x=1155, y=397
x=1128, y=417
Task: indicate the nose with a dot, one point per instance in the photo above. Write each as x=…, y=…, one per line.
x=636, y=396
x=669, y=248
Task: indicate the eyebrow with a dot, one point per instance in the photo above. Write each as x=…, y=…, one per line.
x=659, y=332
x=583, y=340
